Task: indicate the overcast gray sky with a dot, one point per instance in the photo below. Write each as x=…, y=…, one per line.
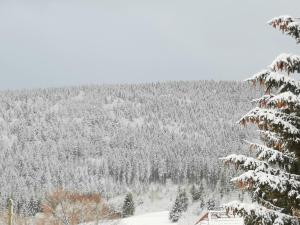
x=47, y=43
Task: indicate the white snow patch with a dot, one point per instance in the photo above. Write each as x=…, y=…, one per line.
x=157, y=218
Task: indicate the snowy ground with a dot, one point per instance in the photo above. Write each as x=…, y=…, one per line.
x=157, y=218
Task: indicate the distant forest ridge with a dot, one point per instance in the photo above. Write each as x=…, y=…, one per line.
x=107, y=138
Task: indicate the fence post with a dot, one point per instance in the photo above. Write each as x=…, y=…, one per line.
x=10, y=211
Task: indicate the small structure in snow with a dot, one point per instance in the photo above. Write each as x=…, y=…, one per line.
x=219, y=218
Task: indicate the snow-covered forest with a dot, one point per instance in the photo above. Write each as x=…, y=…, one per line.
x=106, y=139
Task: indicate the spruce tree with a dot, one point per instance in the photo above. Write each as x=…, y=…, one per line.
x=128, y=206
x=193, y=191
x=33, y=207
x=211, y=204
x=196, y=192
x=202, y=204
x=273, y=176
x=180, y=206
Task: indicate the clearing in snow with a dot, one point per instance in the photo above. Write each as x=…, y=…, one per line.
x=157, y=218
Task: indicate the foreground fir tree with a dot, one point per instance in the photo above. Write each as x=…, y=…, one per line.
x=272, y=177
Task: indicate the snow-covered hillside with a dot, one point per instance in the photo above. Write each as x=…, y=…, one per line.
x=108, y=139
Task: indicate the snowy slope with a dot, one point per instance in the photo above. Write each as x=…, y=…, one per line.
x=118, y=138
x=157, y=218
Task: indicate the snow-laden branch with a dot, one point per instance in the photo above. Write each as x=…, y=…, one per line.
x=271, y=119
x=272, y=155
x=263, y=99
x=280, y=184
x=244, y=162
x=272, y=79
x=248, y=163
x=269, y=205
x=258, y=77
x=286, y=62
x=258, y=215
x=272, y=138
x=288, y=25
x=284, y=100
x=282, y=82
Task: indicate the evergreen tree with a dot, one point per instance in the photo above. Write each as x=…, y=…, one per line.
x=196, y=192
x=128, y=206
x=33, y=207
x=19, y=206
x=202, y=204
x=211, y=204
x=273, y=176
x=193, y=191
x=180, y=206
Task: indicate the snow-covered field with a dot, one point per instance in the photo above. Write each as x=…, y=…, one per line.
x=161, y=218
x=156, y=218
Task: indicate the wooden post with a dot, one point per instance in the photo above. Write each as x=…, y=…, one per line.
x=10, y=211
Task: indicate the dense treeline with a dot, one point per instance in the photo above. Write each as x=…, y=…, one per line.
x=106, y=138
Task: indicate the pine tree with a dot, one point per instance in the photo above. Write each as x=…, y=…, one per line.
x=211, y=204
x=193, y=191
x=33, y=207
x=128, y=206
x=180, y=206
x=184, y=200
x=196, y=192
x=273, y=176
x=202, y=204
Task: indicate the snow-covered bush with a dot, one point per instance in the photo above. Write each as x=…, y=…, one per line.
x=68, y=208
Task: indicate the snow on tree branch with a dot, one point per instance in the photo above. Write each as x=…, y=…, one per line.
x=263, y=100
x=244, y=162
x=286, y=62
x=269, y=205
x=270, y=119
x=281, y=100
x=279, y=185
x=284, y=100
x=271, y=79
x=273, y=140
x=272, y=155
x=276, y=79
x=257, y=214
x=288, y=25
x=259, y=77
x=248, y=163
